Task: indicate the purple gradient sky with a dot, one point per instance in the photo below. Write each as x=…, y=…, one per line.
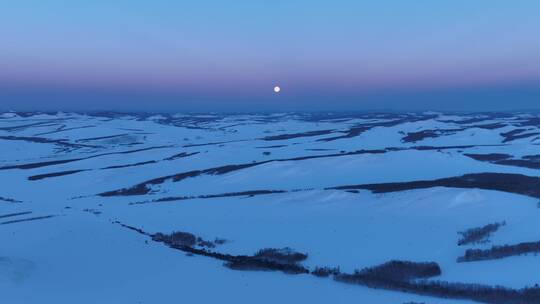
x=227, y=55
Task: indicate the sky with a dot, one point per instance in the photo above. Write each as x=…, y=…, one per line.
x=215, y=55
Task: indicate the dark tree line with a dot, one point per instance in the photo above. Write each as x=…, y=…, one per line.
x=499, y=252
x=401, y=271
x=478, y=234
x=268, y=259
x=403, y=276
x=284, y=259
x=411, y=277
x=176, y=238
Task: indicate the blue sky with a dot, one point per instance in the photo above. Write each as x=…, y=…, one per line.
x=227, y=55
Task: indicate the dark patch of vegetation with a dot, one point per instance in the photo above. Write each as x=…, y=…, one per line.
x=54, y=174
x=130, y=165
x=210, y=244
x=352, y=132
x=102, y=137
x=284, y=255
x=139, y=189
x=440, y=148
x=180, y=239
x=133, y=228
x=420, y=135
x=176, y=238
x=133, y=151
x=525, y=135
x=284, y=259
x=40, y=164
x=204, y=243
x=517, y=134
x=489, y=157
x=271, y=147
x=211, y=143
x=467, y=121
x=319, y=149
x=411, y=277
x=533, y=121
x=27, y=219
x=499, y=252
x=504, y=159
x=532, y=157
x=509, y=136
x=401, y=276
x=63, y=129
x=42, y=140
x=22, y=127
x=513, y=183
x=219, y=241
x=478, y=234
x=297, y=135
x=65, y=161
x=93, y=211
x=520, y=163
x=399, y=271
x=490, y=126
x=324, y=272
x=181, y=155
x=9, y=200
x=230, y=194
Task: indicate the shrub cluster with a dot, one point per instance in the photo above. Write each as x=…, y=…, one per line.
x=177, y=238
x=325, y=271
x=284, y=255
x=219, y=241
x=284, y=259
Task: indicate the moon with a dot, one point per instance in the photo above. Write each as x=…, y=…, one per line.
x=277, y=89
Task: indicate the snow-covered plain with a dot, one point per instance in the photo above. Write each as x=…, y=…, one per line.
x=68, y=180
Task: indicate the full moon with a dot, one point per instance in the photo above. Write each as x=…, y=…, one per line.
x=277, y=89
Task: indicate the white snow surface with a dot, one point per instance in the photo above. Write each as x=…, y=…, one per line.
x=82, y=255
